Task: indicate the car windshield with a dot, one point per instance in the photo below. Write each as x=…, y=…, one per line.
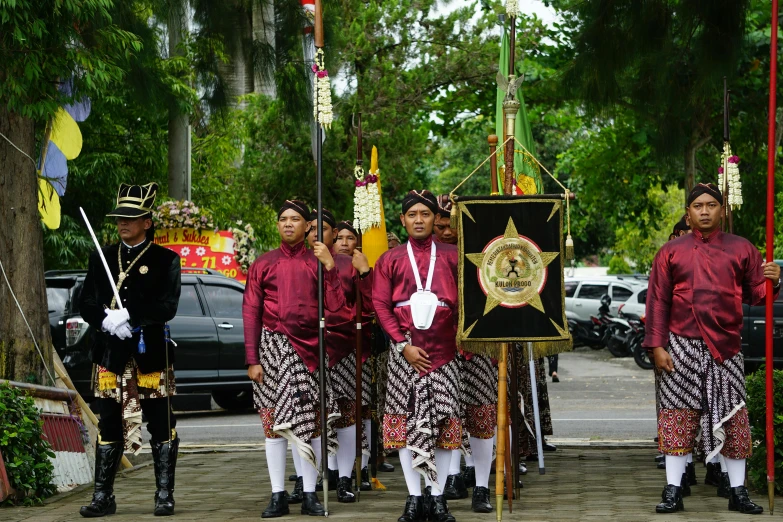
x=57, y=299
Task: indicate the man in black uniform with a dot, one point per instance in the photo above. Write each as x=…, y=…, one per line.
x=132, y=351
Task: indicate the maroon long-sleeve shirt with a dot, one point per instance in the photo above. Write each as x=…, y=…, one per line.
x=341, y=325
x=697, y=287
x=394, y=282
x=281, y=294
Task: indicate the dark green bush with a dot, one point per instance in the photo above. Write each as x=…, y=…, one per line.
x=25, y=453
x=757, y=464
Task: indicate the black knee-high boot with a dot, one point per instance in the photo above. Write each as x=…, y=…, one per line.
x=107, y=459
x=165, y=456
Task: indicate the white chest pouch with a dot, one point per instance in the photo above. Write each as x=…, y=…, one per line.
x=423, y=303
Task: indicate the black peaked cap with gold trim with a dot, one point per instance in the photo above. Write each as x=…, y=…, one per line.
x=135, y=201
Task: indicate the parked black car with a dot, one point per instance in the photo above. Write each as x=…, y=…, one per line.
x=753, y=334
x=208, y=330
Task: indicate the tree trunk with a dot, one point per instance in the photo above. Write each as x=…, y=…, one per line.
x=21, y=254
x=264, y=32
x=178, y=122
x=696, y=142
x=238, y=72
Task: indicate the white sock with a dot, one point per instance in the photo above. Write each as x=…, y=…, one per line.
x=456, y=460
x=442, y=461
x=427, y=482
x=482, y=454
x=276, y=453
x=736, y=470
x=346, y=451
x=368, y=431
x=715, y=459
x=331, y=461
x=412, y=478
x=689, y=456
x=722, y=459
x=309, y=473
x=675, y=467
x=470, y=460
x=297, y=461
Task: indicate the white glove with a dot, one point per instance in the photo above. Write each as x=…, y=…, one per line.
x=117, y=318
x=123, y=331
x=108, y=326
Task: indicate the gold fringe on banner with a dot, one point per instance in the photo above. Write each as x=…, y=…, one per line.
x=547, y=348
x=107, y=381
x=148, y=380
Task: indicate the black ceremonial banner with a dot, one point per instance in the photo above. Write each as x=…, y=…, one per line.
x=511, y=286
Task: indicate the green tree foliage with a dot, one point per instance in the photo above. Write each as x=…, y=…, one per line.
x=25, y=452
x=757, y=415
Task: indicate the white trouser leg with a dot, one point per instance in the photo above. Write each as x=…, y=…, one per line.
x=442, y=462
x=482, y=454
x=368, y=431
x=456, y=460
x=470, y=460
x=675, y=467
x=723, y=468
x=736, y=470
x=689, y=456
x=309, y=473
x=276, y=452
x=297, y=461
x=412, y=478
x=346, y=451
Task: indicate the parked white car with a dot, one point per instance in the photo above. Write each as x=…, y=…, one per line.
x=583, y=296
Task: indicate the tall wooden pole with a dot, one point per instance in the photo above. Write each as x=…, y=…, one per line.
x=493, y=164
x=359, y=335
x=769, y=318
x=319, y=43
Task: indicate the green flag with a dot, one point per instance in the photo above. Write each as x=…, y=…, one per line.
x=522, y=126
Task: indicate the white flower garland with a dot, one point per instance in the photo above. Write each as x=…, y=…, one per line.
x=512, y=8
x=366, y=201
x=244, y=239
x=733, y=177
x=322, y=92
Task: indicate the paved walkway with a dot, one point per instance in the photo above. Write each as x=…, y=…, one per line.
x=581, y=483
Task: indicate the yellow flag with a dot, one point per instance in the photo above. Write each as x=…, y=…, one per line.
x=66, y=134
x=374, y=242
x=48, y=204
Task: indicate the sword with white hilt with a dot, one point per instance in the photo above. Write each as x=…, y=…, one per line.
x=103, y=260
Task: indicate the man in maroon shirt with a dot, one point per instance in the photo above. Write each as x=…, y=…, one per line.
x=281, y=352
x=697, y=286
x=355, y=276
x=415, y=298
x=478, y=398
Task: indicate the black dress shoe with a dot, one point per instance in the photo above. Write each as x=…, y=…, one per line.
x=469, y=477
x=724, y=489
x=278, y=506
x=522, y=469
x=365, y=484
x=455, y=488
x=333, y=478
x=414, y=510
x=661, y=465
x=739, y=501
x=548, y=447
x=671, y=500
x=712, y=477
x=532, y=457
x=660, y=458
x=439, y=510
x=686, y=488
x=480, y=503
x=690, y=471
x=345, y=492
x=296, y=496
x=385, y=467
x=312, y=506
x=292, y=478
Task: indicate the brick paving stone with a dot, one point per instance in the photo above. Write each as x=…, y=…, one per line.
x=580, y=484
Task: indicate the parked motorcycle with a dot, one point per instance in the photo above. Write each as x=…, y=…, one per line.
x=591, y=336
x=640, y=354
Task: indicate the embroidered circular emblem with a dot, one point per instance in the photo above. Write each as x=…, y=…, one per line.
x=143, y=269
x=512, y=271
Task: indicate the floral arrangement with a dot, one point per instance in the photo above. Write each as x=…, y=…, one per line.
x=366, y=200
x=183, y=214
x=512, y=8
x=730, y=179
x=244, y=241
x=322, y=92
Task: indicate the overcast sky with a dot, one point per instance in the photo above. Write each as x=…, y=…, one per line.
x=537, y=7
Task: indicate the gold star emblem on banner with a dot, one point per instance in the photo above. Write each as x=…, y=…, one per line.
x=512, y=271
